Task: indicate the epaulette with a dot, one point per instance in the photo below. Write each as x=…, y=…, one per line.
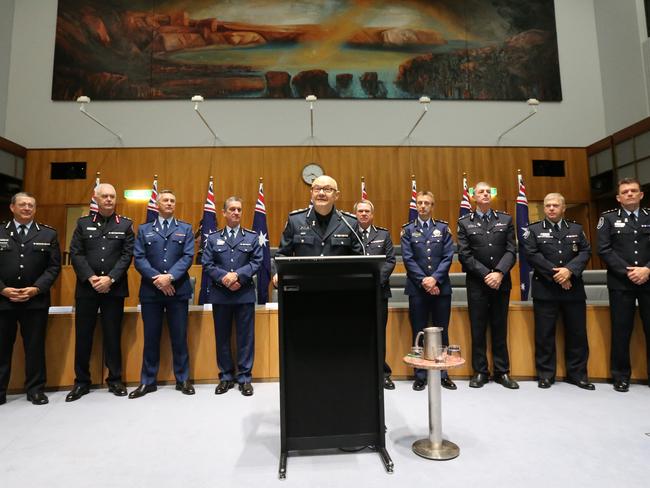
x=571, y=221
x=442, y=221
x=536, y=222
x=125, y=217
x=408, y=223
x=181, y=221
x=44, y=225
x=609, y=211
x=381, y=228
x=349, y=214
x=501, y=212
x=465, y=216
x=646, y=210
x=300, y=210
x=249, y=230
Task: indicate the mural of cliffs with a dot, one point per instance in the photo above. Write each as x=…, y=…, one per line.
x=364, y=49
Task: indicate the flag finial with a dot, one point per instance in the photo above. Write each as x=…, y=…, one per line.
x=261, y=179
x=211, y=178
x=155, y=177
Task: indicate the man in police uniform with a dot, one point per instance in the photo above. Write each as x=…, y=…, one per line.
x=427, y=250
x=163, y=253
x=321, y=229
x=486, y=249
x=377, y=242
x=558, y=250
x=30, y=261
x=232, y=256
x=624, y=245
x=101, y=249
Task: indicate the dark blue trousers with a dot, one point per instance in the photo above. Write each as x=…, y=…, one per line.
x=244, y=316
x=152, y=318
x=438, y=309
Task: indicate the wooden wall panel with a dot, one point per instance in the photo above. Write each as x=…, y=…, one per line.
x=387, y=171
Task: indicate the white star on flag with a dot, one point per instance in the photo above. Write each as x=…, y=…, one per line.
x=262, y=238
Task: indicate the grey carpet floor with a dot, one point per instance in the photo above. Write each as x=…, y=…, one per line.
x=562, y=437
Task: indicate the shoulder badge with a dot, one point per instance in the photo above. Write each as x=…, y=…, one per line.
x=125, y=218
x=408, y=223
x=348, y=214
x=44, y=225
x=601, y=222
x=249, y=230
x=610, y=211
x=466, y=216
x=382, y=228
x=297, y=211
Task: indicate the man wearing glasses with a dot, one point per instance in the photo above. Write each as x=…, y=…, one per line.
x=321, y=229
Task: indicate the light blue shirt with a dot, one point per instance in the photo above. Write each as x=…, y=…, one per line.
x=28, y=225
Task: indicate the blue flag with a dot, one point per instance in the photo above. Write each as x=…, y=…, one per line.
x=413, y=209
x=152, y=206
x=207, y=226
x=259, y=227
x=465, y=205
x=522, y=226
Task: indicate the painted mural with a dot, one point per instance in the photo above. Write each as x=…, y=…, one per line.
x=362, y=49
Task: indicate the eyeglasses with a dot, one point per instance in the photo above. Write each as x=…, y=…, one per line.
x=327, y=190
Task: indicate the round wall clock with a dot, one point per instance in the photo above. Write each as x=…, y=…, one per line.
x=310, y=172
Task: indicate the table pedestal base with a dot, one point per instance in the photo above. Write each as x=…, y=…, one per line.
x=441, y=452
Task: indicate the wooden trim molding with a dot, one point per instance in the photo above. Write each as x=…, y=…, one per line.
x=13, y=148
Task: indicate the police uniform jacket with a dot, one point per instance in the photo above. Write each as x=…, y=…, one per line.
x=302, y=237
x=427, y=253
x=379, y=243
x=102, y=247
x=483, y=248
x=547, y=248
x=164, y=252
x=622, y=243
x=243, y=256
x=36, y=261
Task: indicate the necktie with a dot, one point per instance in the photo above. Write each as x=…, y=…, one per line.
x=425, y=226
x=22, y=231
x=165, y=226
x=556, y=227
x=365, y=235
x=486, y=218
x=632, y=218
x=232, y=235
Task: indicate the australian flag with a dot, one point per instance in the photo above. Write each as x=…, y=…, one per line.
x=94, y=208
x=259, y=227
x=413, y=209
x=207, y=226
x=522, y=226
x=152, y=206
x=465, y=205
x=364, y=193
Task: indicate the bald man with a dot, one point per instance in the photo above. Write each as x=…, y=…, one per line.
x=101, y=250
x=320, y=230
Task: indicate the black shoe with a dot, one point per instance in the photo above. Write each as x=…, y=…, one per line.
x=388, y=383
x=447, y=383
x=478, y=380
x=419, y=385
x=505, y=380
x=622, y=386
x=185, y=387
x=246, y=389
x=223, y=387
x=584, y=384
x=77, y=392
x=117, y=389
x=142, y=390
x=544, y=383
x=3, y=398
x=38, y=398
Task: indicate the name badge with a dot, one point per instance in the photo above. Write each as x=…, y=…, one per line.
x=179, y=235
x=417, y=234
x=341, y=235
x=116, y=232
x=545, y=234
x=91, y=228
x=220, y=242
x=41, y=243
x=619, y=224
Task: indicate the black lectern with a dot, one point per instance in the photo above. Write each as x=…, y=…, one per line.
x=331, y=354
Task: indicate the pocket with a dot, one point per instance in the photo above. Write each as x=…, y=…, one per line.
x=298, y=239
x=341, y=241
